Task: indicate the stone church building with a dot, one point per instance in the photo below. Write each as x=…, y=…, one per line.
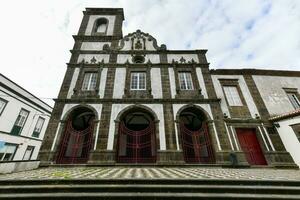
x=127, y=99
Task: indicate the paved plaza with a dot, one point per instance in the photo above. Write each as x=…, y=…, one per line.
x=155, y=173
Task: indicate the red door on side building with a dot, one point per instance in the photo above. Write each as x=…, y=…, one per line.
x=250, y=145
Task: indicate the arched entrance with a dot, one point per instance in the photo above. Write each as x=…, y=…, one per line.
x=77, y=138
x=136, y=137
x=196, y=142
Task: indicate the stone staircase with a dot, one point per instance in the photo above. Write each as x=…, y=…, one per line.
x=148, y=189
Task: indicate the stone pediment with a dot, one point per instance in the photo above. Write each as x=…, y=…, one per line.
x=139, y=41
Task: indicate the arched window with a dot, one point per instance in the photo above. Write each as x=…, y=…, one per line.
x=100, y=26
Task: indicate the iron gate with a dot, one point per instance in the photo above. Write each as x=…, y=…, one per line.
x=196, y=145
x=75, y=145
x=136, y=146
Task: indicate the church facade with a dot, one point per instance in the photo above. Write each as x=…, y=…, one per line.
x=130, y=100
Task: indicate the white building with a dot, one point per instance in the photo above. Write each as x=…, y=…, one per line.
x=23, y=121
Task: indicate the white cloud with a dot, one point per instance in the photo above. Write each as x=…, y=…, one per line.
x=36, y=36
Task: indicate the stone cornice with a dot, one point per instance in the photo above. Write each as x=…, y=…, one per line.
x=104, y=11
x=263, y=72
x=133, y=65
x=203, y=51
x=139, y=101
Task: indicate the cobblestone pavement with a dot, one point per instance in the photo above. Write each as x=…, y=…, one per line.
x=155, y=173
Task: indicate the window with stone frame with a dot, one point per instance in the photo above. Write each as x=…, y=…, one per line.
x=20, y=122
x=293, y=96
x=3, y=104
x=7, y=151
x=89, y=81
x=185, y=81
x=38, y=127
x=232, y=96
x=138, y=81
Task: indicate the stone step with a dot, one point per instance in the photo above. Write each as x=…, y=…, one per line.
x=145, y=196
x=144, y=188
x=150, y=182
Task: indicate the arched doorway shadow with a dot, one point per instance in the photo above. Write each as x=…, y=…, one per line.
x=136, y=135
x=76, y=140
x=195, y=136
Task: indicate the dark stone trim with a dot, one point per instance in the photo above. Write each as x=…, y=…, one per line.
x=258, y=100
x=110, y=38
x=83, y=24
x=134, y=65
x=263, y=72
x=31, y=138
x=105, y=11
x=196, y=92
x=78, y=92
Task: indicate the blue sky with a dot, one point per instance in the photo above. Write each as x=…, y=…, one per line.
x=36, y=36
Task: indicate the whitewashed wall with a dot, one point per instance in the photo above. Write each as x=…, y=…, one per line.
x=73, y=82
x=93, y=18
x=245, y=91
x=102, y=82
x=156, y=83
x=273, y=95
x=201, y=82
x=119, y=83
x=172, y=82
x=93, y=46
x=289, y=138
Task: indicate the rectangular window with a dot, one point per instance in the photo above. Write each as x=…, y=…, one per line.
x=138, y=81
x=232, y=96
x=294, y=99
x=7, y=151
x=20, y=122
x=38, y=127
x=89, y=81
x=2, y=105
x=185, y=81
x=28, y=153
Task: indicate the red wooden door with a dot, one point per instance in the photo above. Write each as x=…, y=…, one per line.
x=250, y=146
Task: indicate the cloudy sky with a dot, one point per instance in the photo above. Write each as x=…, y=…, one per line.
x=36, y=36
